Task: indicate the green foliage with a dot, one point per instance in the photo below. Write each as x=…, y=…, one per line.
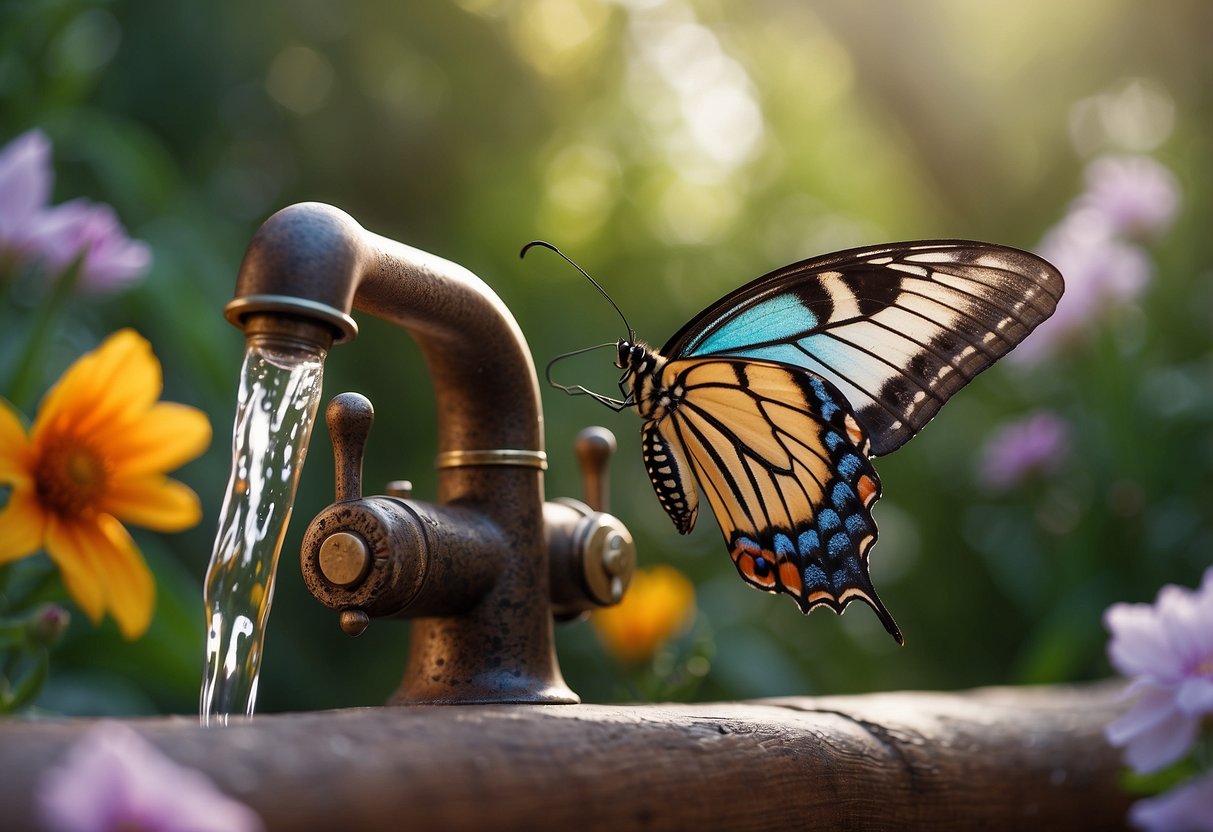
x=676, y=150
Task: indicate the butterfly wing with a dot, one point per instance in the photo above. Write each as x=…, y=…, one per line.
x=784, y=464
x=897, y=328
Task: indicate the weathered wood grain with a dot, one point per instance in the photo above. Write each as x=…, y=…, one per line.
x=999, y=758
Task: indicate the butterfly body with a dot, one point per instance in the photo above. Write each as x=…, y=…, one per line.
x=772, y=401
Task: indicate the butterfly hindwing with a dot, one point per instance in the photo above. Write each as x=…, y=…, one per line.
x=784, y=464
x=897, y=329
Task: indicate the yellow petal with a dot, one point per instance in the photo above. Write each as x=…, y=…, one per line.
x=15, y=462
x=154, y=502
x=113, y=384
x=70, y=547
x=167, y=436
x=130, y=590
x=22, y=524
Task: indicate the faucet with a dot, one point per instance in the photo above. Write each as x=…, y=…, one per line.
x=482, y=571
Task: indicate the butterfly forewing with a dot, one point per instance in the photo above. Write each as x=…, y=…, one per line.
x=896, y=329
x=784, y=464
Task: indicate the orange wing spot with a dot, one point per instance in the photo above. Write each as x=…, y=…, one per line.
x=747, y=565
x=854, y=432
x=866, y=487
x=822, y=596
x=789, y=576
x=744, y=548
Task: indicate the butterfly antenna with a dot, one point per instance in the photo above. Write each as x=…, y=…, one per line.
x=567, y=259
x=577, y=389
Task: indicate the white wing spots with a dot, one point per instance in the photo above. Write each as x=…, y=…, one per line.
x=881, y=261
x=941, y=255
x=908, y=268
x=846, y=305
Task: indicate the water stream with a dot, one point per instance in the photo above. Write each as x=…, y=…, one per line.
x=275, y=410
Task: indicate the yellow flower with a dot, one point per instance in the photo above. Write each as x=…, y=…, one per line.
x=658, y=606
x=97, y=455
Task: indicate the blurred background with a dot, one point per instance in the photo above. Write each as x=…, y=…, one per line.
x=675, y=149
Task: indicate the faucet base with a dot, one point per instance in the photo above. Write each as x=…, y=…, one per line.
x=548, y=696
x=475, y=659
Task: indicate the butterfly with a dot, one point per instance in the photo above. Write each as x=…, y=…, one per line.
x=771, y=403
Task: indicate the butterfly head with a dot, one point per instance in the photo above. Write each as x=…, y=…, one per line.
x=630, y=356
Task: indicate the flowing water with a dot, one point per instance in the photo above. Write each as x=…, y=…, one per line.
x=279, y=393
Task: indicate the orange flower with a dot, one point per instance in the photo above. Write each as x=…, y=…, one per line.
x=658, y=606
x=97, y=455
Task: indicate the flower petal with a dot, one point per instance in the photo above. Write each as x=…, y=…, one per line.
x=15, y=464
x=22, y=524
x=25, y=184
x=70, y=547
x=1154, y=705
x=112, y=778
x=1195, y=696
x=167, y=436
x=130, y=589
x=112, y=385
x=1166, y=741
x=154, y=502
x=1139, y=644
x=1184, y=807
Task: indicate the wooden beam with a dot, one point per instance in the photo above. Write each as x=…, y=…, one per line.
x=998, y=758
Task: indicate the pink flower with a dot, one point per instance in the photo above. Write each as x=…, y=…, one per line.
x=1036, y=444
x=1102, y=272
x=1136, y=196
x=91, y=231
x=25, y=187
x=1167, y=649
x=56, y=236
x=1188, y=808
x=115, y=780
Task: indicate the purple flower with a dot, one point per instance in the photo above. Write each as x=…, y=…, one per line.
x=1167, y=649
x=115, y=780
x=1188, y=808
x=56, y=236
x=92, y=232
x=25, y=187
x=1101, y=272
x=1136, y=196
x=1036, y=444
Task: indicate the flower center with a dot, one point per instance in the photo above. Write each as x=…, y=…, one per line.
x=69, y=477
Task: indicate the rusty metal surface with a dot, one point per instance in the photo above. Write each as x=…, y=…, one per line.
x=489, y=645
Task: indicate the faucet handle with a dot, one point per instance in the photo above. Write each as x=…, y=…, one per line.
x=594, y=446
x=349, y=417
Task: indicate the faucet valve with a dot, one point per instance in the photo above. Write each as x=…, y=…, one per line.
x=349, y=417
x=591, y=553
x=594, y=446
